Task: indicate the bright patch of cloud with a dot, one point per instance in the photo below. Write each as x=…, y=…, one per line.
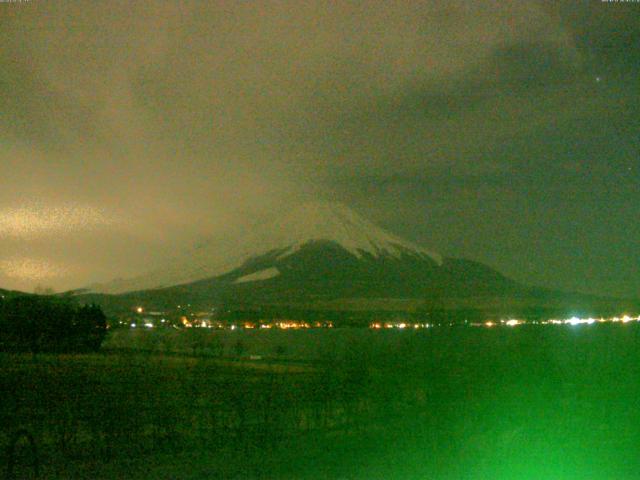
x=31, y=269
x=36, y=220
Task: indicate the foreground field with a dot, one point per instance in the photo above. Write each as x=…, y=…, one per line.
x=522, y=403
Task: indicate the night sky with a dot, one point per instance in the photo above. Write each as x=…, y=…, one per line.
x=503, y=131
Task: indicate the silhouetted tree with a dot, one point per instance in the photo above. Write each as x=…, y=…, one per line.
x=35, y=323
x=89, y=326
x=42, y=290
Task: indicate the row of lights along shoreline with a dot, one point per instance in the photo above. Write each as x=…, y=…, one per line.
x=153, y=319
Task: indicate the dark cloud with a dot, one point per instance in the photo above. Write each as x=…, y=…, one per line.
x=184, y=119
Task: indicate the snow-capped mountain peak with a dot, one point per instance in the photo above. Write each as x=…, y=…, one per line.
x=336, y=222
x=309, y=222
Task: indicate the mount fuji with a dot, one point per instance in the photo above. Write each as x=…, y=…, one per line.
x=265, y=251
x=316, y=252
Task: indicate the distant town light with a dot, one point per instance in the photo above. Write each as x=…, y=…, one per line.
x=573, y=321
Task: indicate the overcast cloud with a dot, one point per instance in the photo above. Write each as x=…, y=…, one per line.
x=501, y=131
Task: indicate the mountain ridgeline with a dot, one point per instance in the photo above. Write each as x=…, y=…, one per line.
x=326, y=257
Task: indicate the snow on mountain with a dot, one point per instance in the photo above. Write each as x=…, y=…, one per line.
x=265, y=274
x=338, y=223
x=284, y=236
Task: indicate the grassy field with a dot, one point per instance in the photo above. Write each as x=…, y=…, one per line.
x=510, y=403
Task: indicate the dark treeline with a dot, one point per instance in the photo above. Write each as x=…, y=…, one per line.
x=40, y=323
